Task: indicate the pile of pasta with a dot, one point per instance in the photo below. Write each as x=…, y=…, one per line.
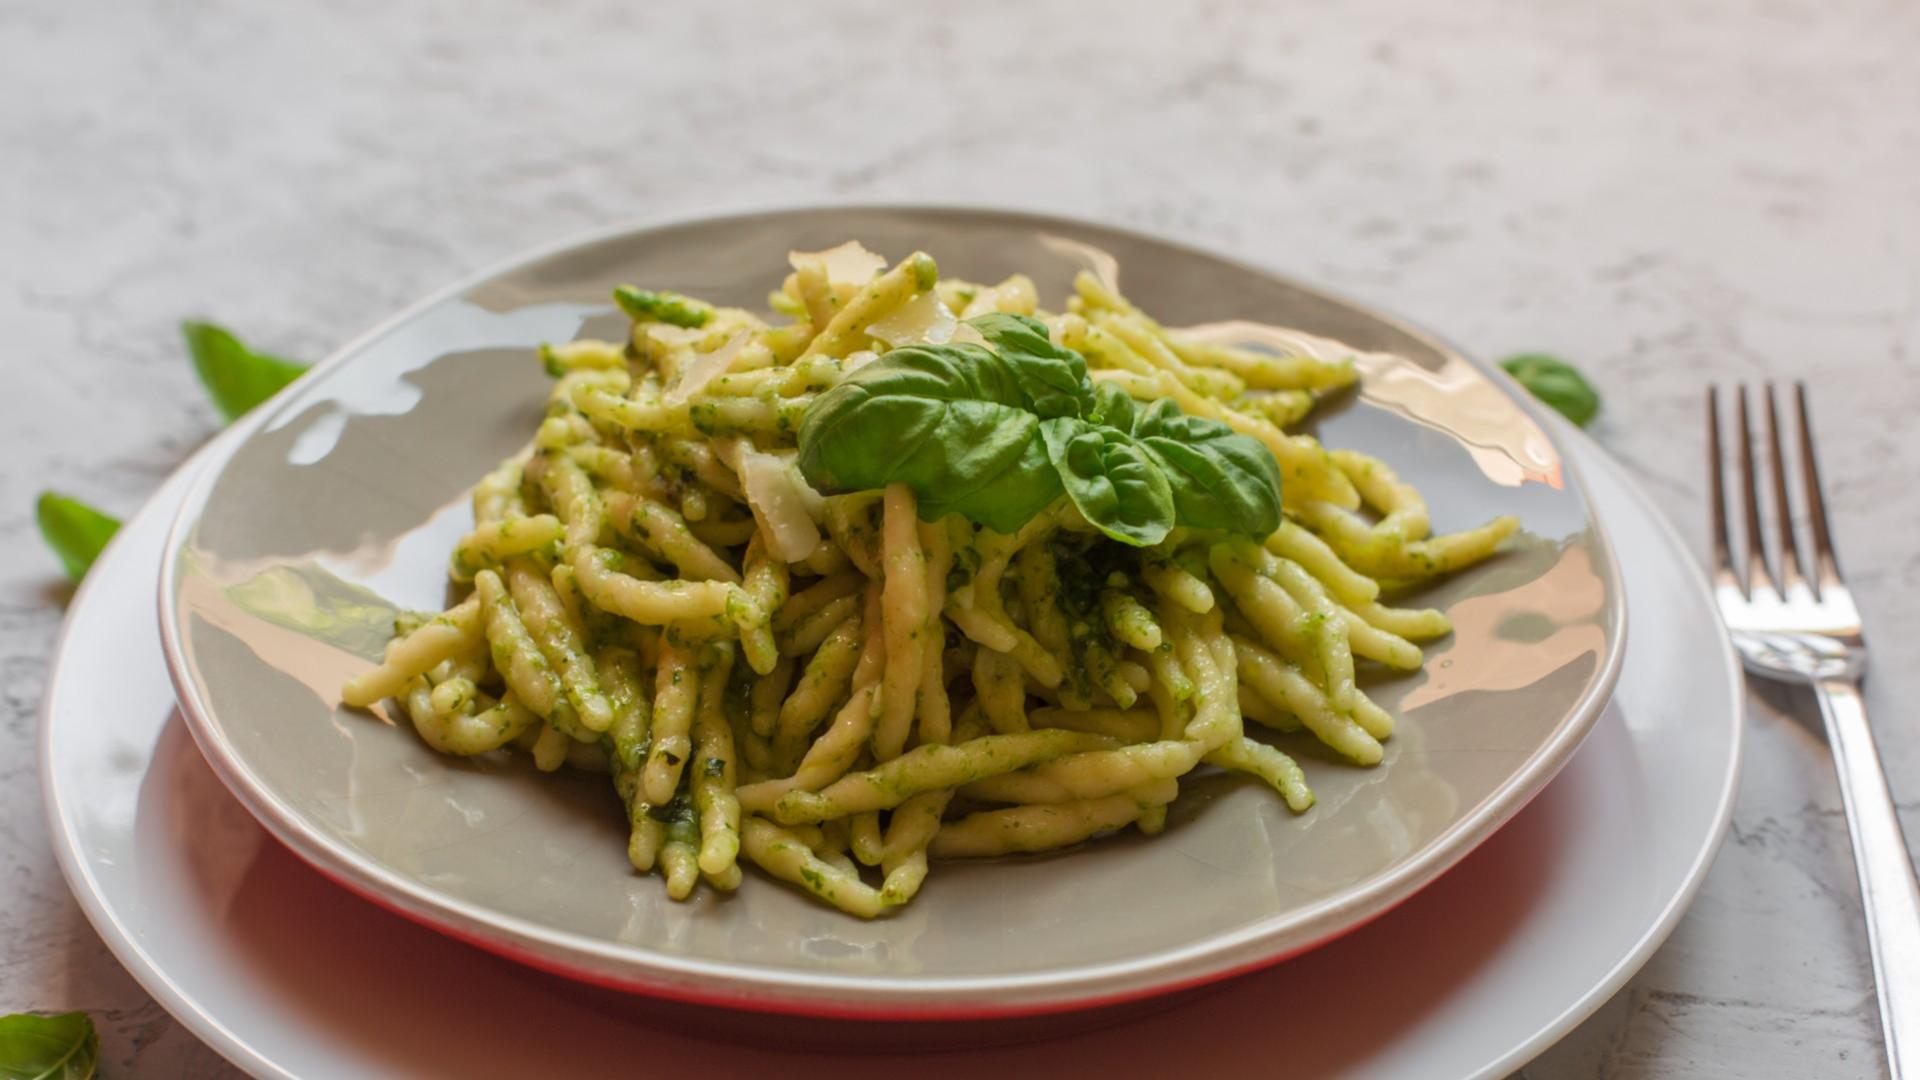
x=839, y=691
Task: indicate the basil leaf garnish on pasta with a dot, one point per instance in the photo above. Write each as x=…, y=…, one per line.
x=76, y=532
x=236, y=377
x=1054, y=379
x=996, y=434
x=1219, y=479
x=1113, y=481
x=952, y=422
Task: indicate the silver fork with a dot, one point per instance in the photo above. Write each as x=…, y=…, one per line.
x=1801, y=629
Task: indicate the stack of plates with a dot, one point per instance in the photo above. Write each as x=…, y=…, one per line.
x=1448, y=914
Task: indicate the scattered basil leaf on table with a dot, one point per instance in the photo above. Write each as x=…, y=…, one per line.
x=996, y=434
x=236, y=377
x=75, y=531
x=63, y=1047
x=1556, y=383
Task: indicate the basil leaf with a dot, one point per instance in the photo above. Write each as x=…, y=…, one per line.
x=950, y=421
x=1220, y=479
x=1115, y=483
x=64, y=1047
x=236, y=377
x=1053, y=379
x=75, y=531
x=1556, y=383
x=1114, y=407
x=997, y=434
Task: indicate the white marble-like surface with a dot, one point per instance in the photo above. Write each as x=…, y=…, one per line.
x=1667, y=192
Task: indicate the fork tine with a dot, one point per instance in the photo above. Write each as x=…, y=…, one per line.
x=1758, y=573
x=1792, y=579
x=1716, y=489
x=1826, y=568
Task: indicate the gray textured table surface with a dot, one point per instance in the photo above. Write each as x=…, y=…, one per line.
x=1668, y=192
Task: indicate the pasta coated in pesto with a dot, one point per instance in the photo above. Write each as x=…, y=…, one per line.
x=842, y=693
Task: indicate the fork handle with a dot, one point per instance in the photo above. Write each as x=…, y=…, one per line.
x=1887, y=886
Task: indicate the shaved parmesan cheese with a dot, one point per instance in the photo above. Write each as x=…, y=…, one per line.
x=786, y=507
x=924, y=320
x=848, y=264
x=675, y=336
x=967, y=335
x=705, y=368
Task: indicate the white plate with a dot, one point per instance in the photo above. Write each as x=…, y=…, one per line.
x=343, y=496
x=289, y=976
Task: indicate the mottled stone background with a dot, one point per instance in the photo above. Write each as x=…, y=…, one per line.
x=1669, y=192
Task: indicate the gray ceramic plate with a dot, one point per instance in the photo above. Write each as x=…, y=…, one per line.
x=340, y=502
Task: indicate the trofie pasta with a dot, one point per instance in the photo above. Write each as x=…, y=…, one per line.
x=917, y=572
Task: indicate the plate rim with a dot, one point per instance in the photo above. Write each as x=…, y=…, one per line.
x=1702, y=860
x=119, y=937
x=192, y=1012
x=730, y=984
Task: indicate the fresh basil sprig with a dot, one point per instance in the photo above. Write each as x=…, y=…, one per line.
x=1556, y=383
x=949, y=421
x=996, y=434
x=236, y=377
x=33, y=1047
